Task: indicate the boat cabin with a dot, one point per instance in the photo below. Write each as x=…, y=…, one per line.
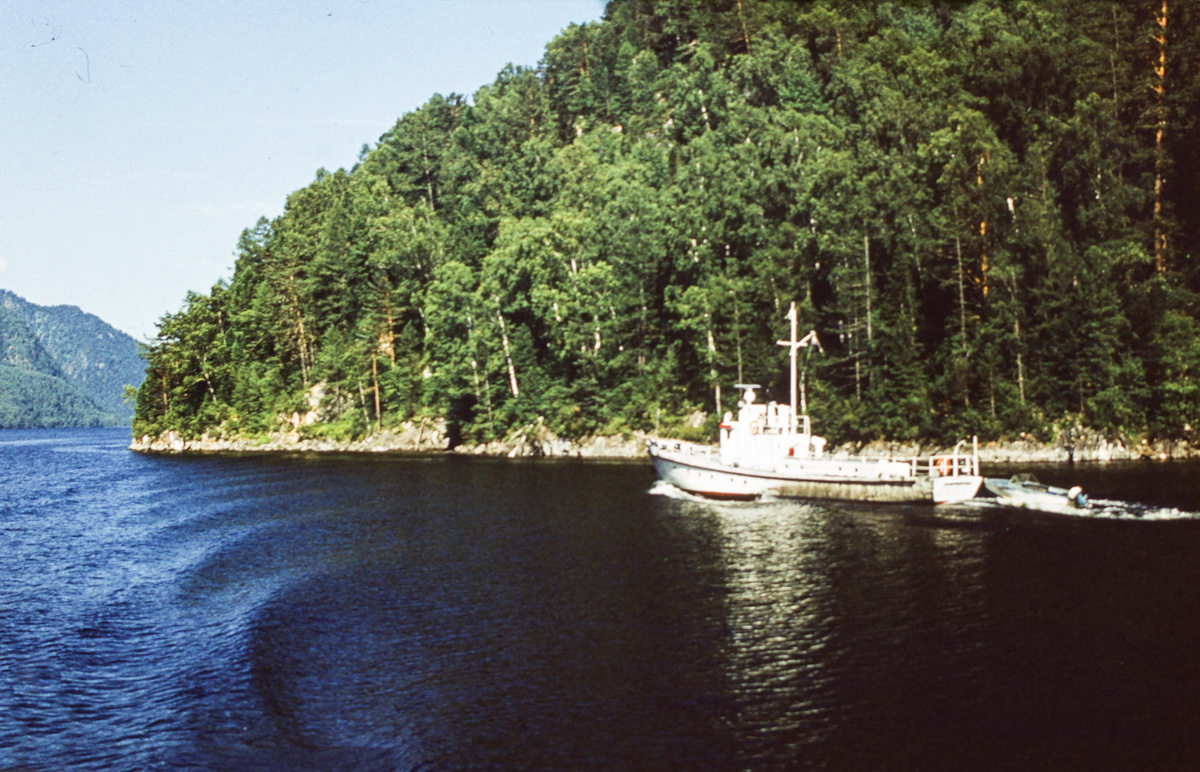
x=764, y=432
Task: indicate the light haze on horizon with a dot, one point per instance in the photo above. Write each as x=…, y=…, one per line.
x=140, y=138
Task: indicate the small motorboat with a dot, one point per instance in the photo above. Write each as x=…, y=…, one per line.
x=1025, y=492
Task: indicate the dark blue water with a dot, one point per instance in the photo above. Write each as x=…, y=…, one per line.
x=382, y=612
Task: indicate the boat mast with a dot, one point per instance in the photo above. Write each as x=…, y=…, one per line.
x=794, y=345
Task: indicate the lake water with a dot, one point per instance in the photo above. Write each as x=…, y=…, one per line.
x=388, y=612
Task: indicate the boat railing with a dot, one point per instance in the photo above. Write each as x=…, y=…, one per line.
x=953, y=464
x=690, y=448
x=949, y=466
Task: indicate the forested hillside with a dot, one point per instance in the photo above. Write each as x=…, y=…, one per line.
x=60, y=366
x=34, y=400
x=986, y=211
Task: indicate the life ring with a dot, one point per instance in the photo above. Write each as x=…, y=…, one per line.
x=943, y=466
x=754, y=427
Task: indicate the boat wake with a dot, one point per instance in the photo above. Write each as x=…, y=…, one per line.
x=1125, y=510
x=667, y=490
x=1101, y=509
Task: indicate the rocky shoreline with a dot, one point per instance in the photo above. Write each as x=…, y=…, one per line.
x=537, y=441
x=414, y=437
x=1028, y=450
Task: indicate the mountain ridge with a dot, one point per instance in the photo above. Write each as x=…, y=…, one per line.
x=63, y=367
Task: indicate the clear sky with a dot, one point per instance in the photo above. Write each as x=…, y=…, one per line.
x=139, y=137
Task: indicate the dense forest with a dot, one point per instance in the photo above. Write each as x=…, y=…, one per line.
x=62, y=367
x=984, y=209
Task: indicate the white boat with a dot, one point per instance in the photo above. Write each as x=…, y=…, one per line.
x=769, y=449
x=1025, y=492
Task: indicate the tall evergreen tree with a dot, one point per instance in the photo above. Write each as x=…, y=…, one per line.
x=982, y=208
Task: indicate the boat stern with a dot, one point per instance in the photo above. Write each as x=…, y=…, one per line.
x=948, y=490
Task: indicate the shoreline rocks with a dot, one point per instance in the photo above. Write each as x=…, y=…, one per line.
x=537, y=441
x=533, y=441
x=1085, y=448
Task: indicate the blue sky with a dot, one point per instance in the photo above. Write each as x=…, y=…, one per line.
x=139, y=137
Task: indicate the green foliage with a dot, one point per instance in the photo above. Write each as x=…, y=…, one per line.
x=961, y=197
x=349, y=427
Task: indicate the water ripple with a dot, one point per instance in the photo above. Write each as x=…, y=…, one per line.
x=405, y=613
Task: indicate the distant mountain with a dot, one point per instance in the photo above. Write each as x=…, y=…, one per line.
x=61, y=366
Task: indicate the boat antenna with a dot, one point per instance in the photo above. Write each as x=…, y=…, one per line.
x=795, y=345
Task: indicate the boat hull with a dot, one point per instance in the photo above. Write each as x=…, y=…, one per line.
x=708, y=481
x=698, y=470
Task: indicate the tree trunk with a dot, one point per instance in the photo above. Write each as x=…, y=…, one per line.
x=962, y=322
x=742, y=19
x=486, y=396
x=962, y=294
x=428, y=176
x=867, y=284
x=390, y=333
x=301, y=332
x=512, y=370
x=1160, y=152
x=712, y=367
x=737, y=337
x=1012, y=288
x=362, y=402
x=375, y=385
x=983, y=230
